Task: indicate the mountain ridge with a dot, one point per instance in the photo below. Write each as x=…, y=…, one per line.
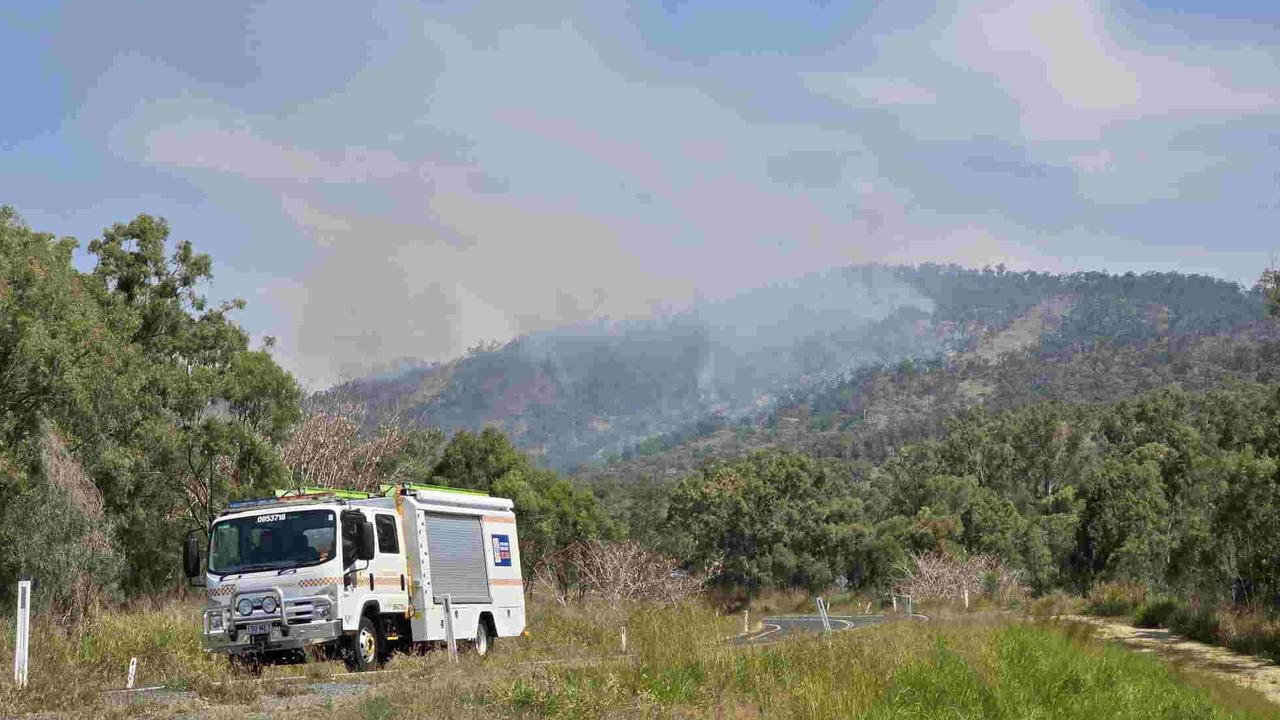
x=580, y=397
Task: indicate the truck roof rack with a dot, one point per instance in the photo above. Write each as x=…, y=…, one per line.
x=340, y=493
x=297, y=495
x=388, y=489
x=318, y=494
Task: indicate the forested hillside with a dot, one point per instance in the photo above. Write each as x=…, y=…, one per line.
x=585, y=395
x=1174, y=489
x=875, y=411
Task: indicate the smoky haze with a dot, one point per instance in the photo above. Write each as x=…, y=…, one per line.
x=582, y=391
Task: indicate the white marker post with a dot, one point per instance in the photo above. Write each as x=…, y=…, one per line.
x=22, y=640
x=133, y=673
x=448, y=628
x=822, y=611
x=746, y=621
x=624, y=639
x=966, y=598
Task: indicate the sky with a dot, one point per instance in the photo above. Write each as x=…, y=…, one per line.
x=395, y=180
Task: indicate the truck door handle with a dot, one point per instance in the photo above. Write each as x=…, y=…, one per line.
x=402, y=582
x=370, y=581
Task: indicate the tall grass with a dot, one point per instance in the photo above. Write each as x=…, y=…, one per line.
x=71, y=667
x=676, y=665
x=676, y=668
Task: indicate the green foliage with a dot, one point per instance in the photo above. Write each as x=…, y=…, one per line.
x=771, y=520
x=1155, y=612
x=68, y=550
x=552, y=511
x=1196, y=621
x=155, y=391
x=1169, y=489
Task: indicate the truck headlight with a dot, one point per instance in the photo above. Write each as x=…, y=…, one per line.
x=268, y=604
x=245, y=606
x=213, y=619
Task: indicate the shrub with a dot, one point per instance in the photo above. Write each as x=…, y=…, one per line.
x=614, y=572
x=1054, y=604
x=1252, y=632
x=940, y=575
x=1115, y=599
x=1198, y=622
x=1156, y=612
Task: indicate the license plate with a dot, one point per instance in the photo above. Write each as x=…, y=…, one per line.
x=260, y=628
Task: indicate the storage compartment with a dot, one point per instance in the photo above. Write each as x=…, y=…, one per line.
x=456, y=553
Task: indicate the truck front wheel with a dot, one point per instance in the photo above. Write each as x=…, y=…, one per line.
x=364, y=648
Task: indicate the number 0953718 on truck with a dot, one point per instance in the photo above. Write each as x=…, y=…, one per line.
x=359, y=574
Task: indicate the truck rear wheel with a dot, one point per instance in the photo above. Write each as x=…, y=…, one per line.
x=364, y=649
x=484, y=639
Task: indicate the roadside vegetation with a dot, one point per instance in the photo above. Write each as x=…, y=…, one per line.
x=1252, y=629
x=677, y=664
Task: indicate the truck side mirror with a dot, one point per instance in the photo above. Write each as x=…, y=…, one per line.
x=191, y=555
x=364, y=541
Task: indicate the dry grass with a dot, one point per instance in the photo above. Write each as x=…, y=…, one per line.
x=571, y=666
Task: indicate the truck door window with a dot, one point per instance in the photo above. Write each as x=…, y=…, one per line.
x=388, y=543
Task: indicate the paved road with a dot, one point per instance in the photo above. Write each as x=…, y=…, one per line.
x=779, y=627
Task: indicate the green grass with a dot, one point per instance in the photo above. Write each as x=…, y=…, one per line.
x=955, y=669
x=571, y=666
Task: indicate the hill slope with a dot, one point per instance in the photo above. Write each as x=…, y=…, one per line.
x=876, y=411
x=582, y=395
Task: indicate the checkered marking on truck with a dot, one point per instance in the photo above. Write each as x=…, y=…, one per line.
x=221, y=591
x=319, y=582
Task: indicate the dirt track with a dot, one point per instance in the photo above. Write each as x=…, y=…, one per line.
x=1244, y=670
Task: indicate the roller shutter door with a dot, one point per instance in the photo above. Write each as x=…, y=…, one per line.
x=455, y=550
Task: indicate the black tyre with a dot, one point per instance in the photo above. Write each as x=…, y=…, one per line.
x=364, y=649
x=484, y=641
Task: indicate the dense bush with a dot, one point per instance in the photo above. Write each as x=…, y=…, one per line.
x=1115, y=599
x=1156, y=612
x=1196, y=621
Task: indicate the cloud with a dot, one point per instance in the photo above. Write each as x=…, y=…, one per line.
x=1094, y=162
x=873, y=90
x=1072, y=73
x=463, y=173
x=200, y=144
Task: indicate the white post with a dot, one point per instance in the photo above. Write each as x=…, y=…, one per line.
x=868, y=610
x=746, y=621
x=822, y=611
x=895, y=603
x=624, y=639
x=448, y=628
x=133, y=673
x=966, y=598
x=22, y=640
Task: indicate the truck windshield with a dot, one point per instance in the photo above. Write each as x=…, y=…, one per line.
x=272, y=541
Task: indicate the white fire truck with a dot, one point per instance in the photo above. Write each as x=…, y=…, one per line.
x=360, y=574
